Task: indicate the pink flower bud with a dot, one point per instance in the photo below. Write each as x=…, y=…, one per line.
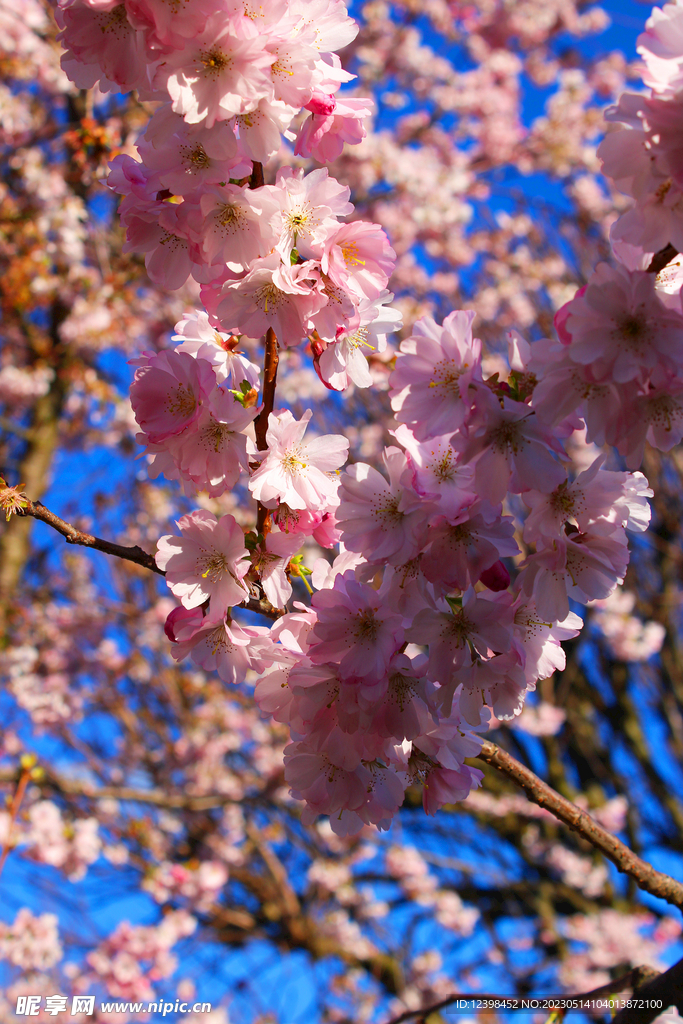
x=321, y=103
x=496, y=577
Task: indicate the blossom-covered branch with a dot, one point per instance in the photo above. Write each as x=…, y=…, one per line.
x=135, y=554
x=652, y=881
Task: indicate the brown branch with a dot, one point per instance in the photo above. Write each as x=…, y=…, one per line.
x=71, y=535
x=632, y=979
x=662, y=259
x=14, y=810
x=256, y=179
x=270, y=363
x=665, y=988
x=136, y=554
x=654, y=882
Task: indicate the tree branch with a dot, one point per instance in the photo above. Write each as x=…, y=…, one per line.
x=136, y=554
x=71, y=535
x=632, y=979
x=654, y=882
x=270, y=364
x=667, y=987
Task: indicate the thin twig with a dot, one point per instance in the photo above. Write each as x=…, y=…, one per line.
x=14, y=811
x=654, y=882
x=136, y=554
x=71, y=535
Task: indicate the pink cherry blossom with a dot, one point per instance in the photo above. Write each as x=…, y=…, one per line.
x=512, y=448
x=343, y=361
x=449, y=630
x=310, y=207
x=183, y=157
x=354, y=628
x=220, y=72
x=214, y=452
x=299, y=473
x=358, y=256
x=272, y=294
x=323, y=134
x=460, y=548
x=220, y=646
x=168, y=392
x=383, y=520
x=595, y=494
x=206, y=563
x=271, y=563
x=237, y=225
x=434, y=369
x=203, y=341
x=102, y=46
x=436, y=473
x=168, y=26
x=620, y=327
x=260, y=130
x=584, y=566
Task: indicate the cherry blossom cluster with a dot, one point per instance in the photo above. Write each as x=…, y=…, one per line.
x=134, y=956
x=424, y=625
x=231, y=77
x=621, y=336
x=421, y=565
x=628, y=638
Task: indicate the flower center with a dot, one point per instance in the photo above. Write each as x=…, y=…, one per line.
x=444, y=469
x=115, y=22
x=351, y=256
x=196, y=157
x=458, y=629
x=215, y=434
x=268, y=294
x=218, y=640
x=401, y=690
x=634, y=332
x=562, y=501
x=215, y=567
x=292, y=462
x=507, y=437
x=446, y=377
x=367, y=626
x=214, y=61
x=182, y=402
x=389, y=511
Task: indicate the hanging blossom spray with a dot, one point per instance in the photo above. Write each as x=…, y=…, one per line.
x=416, y=633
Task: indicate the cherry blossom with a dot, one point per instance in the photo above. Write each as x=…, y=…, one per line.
x=219, y=73
x=168, y=393
x=206, y=563
x=354, y=627
x=433, y=372
x=295, y=472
